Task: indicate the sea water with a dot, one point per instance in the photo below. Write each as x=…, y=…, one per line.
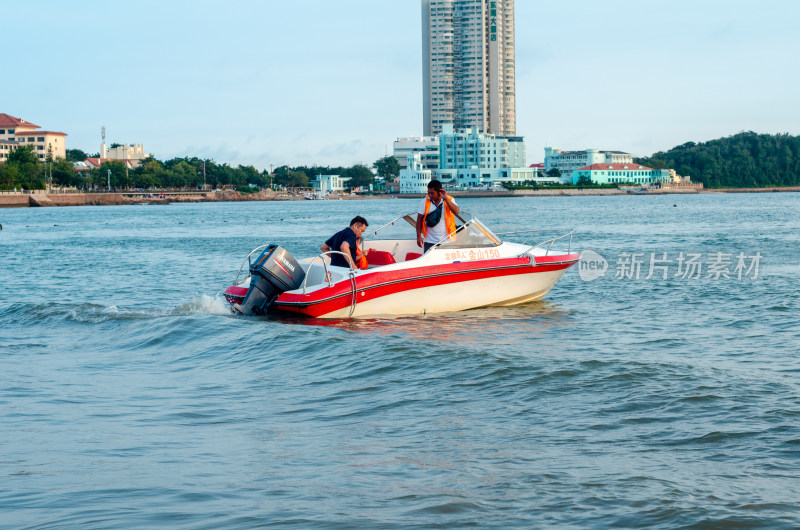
x=656, y=385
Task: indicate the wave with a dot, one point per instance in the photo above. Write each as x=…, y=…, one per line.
x=92, y=313
x=203, y=305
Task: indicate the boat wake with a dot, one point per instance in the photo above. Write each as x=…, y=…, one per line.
x=205, y=305
x=90, y=313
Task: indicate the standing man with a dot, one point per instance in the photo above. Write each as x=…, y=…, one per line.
x=345, y=241
x=436, y=216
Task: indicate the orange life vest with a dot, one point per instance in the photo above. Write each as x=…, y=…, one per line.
x=449, y=218
x=361, y=259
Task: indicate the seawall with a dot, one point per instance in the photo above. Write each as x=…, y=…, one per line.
x=76, y=199
x=42, y=198
x=24, y=200
x=752, y=190
x=59, y=199
x=14, y=201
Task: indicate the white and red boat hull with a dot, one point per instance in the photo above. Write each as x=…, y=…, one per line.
x=473, y=269
x=430, y=289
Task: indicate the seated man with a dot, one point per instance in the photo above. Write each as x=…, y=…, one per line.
x=345, y=241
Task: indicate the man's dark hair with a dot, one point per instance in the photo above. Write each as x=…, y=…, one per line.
x=359, y=219
x=434, y=185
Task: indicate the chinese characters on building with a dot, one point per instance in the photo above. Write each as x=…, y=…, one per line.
x=493, y=20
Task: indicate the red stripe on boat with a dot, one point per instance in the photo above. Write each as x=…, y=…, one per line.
x=384, y=283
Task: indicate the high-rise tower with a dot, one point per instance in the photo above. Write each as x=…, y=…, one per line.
x=468, y=65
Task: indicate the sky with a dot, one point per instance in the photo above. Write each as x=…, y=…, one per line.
x=304, y=82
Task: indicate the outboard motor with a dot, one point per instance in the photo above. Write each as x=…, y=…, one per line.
x=274, y=272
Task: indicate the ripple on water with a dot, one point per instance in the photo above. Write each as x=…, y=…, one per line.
x=141, y=401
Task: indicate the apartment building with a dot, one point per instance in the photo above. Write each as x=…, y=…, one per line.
x=426, y=146
x=468, y=66
x=470, y=148
x=470, y=159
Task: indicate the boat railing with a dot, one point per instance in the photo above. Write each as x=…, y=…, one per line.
x=549, y=242
x=328, y=276
x=407, y=218
x=532, y=233
x=249, y=263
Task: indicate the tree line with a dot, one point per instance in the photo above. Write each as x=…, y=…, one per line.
x=23, y=170
x=744, y=160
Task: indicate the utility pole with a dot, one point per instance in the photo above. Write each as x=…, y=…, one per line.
x=109, y=180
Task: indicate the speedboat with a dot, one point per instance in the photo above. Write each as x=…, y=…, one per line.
x=471, y=267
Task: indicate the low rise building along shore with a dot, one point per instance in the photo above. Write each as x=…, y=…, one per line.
x=16, y=133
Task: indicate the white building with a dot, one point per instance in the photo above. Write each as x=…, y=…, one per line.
x=568, y=161
x=134, y=152
x=626, y=173
x=128, y=153
x=426, y=146
x=468, y=70
x=470, y=160
x=416, y=180
x=471, y=178
x=458, y=150
x=414, y=177
x=329, y=183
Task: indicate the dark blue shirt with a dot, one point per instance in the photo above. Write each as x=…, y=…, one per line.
x=335, y=242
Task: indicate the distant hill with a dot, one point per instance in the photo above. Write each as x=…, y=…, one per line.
x=744, y=160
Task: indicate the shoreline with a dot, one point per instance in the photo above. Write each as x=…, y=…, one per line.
x=25, y=200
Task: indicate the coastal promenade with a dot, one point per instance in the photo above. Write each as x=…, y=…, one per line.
x=42, y=198
x=23, y=199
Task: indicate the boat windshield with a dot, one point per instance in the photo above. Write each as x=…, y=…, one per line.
x=473, y=234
